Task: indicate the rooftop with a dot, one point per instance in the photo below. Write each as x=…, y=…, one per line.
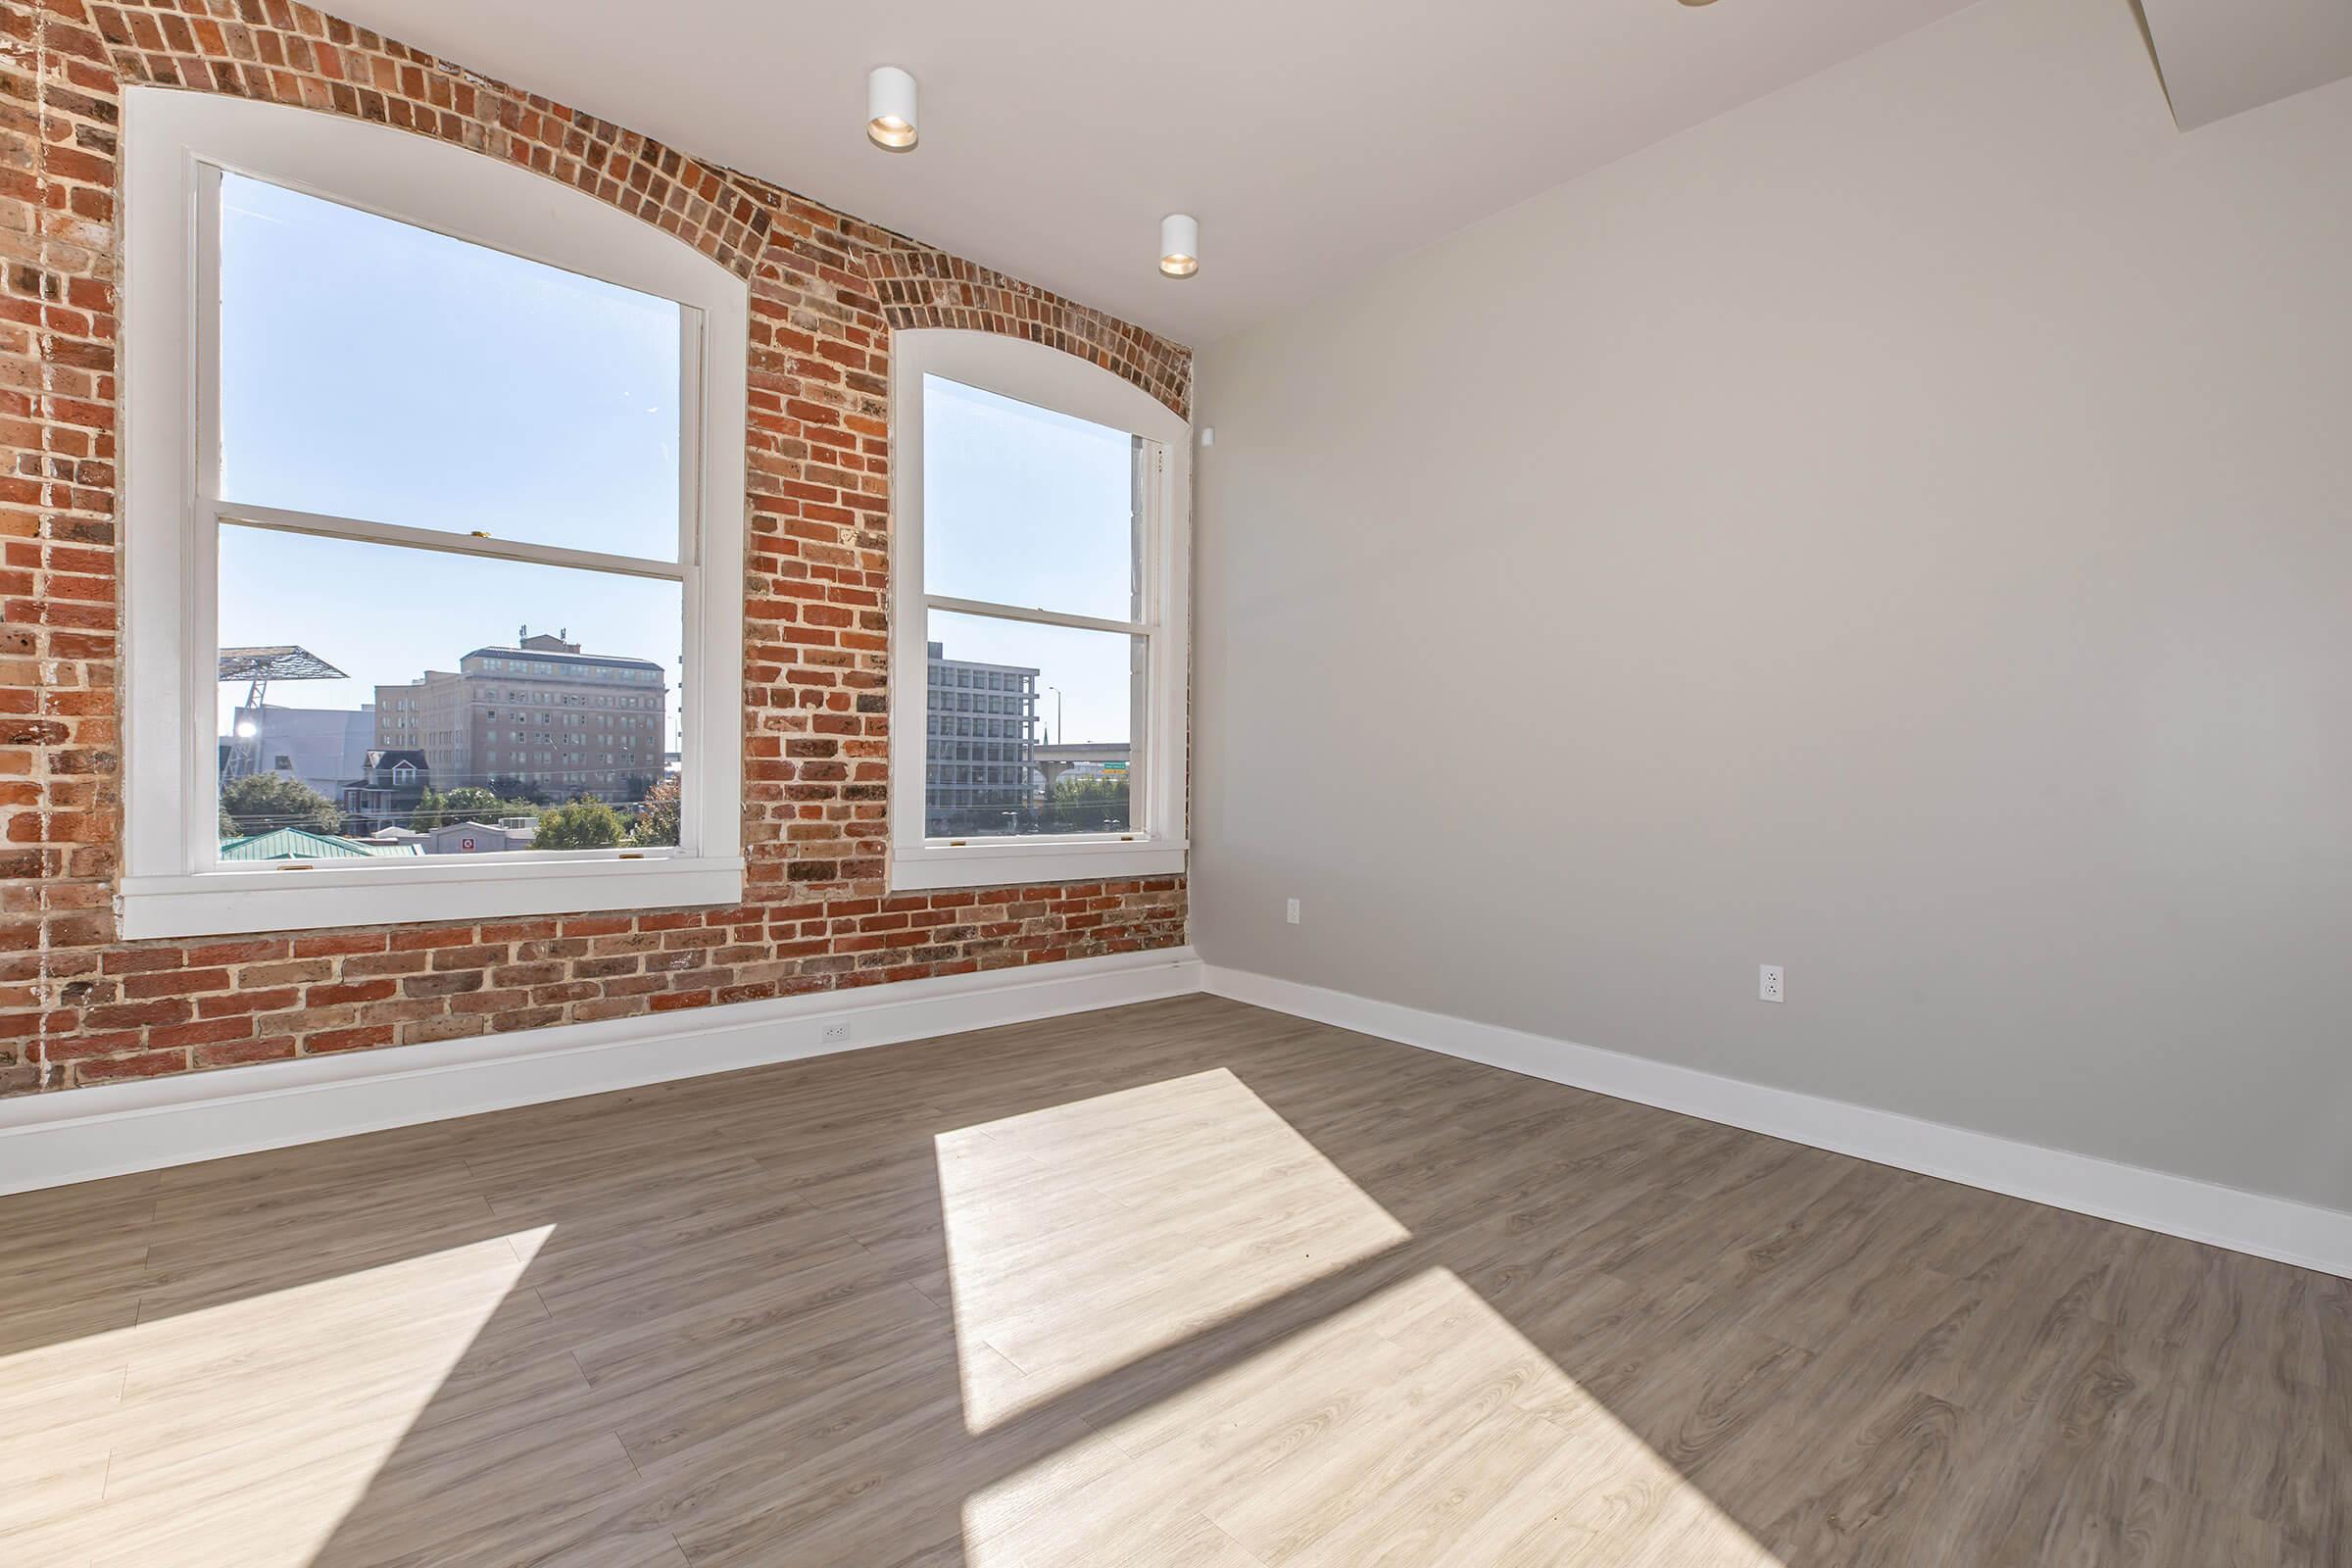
x=550, y=655
x=301, y=843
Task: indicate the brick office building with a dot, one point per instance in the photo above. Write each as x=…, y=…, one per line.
x=542, y=715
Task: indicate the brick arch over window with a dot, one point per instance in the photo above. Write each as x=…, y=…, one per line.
x=930, y=288
x=291, y=54
x=826, y=291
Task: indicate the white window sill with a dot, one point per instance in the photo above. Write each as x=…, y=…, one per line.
x=1015, y=862
x=264, y=898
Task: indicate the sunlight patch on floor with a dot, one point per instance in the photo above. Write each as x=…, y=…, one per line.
x=245, y=1431
x=1086, y=1237
x=1415, y=1427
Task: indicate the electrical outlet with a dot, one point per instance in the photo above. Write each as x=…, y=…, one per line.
x=836, y=1033
x=1289, y=912
x=1767, y=982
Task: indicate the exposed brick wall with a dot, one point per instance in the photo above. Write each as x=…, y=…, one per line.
x=78, y=1005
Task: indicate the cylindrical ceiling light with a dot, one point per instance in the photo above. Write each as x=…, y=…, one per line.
x=1179, y=245
x=890, y=109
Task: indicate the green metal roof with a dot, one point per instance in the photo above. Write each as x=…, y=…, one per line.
x=301, y=843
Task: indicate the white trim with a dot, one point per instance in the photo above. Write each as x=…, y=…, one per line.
x=1036, y=618
x=279, y=897
x=114, y=1129
x=985, y=864
x=2278, y=1228
x=172, y=142
x=1031, y=372
x=326, y=525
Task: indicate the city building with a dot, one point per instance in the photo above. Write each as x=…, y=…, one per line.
x=323, y=749
x=479, y=838
x=392, y=780
x=982, y=721
x=540, y=718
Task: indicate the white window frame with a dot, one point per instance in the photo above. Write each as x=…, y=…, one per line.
x=1031, y=372
x=173, y=882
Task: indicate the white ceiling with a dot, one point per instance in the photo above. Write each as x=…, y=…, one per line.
x=1312, y=138
x=2223, y=57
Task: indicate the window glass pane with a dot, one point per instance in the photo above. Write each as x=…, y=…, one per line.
x=431, y=703
x=373, y=370
x=1055, y=758
x=1023, y=506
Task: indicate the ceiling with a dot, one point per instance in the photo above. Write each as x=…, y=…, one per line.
x=1312, y=138
x=2223, y=57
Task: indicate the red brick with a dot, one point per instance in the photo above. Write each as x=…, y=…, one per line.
x=238, y=1052
x=349, y=991
x=174, y=983
x=231, y=1003
x=361, y=1039
x=143, y=1064
x=337, y=945
x=237, y=952
x=204, y=1033
x=436, y=937
x=826, y=291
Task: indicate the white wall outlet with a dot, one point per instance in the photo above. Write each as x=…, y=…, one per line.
x=836, y=1034
x=1767, y=982
x=1289, y=912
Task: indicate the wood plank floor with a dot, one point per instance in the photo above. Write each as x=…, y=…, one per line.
x=1185, y=1283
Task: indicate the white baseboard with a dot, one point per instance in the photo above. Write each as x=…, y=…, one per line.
x=114, y=1129
x=2278, y=1227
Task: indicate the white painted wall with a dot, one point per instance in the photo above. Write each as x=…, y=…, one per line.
x=1900, y=530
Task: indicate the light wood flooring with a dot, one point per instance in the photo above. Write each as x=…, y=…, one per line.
x=1185, y=1283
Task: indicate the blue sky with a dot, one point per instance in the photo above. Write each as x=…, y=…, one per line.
x=377, y=370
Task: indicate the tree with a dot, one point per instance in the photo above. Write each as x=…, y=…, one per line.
x=581, y=825
x=1087, y=802
x=430, y=813
x=657, y=815
x=260, y=802
x=472, y=802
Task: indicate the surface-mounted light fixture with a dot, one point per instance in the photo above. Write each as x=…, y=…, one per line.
x=890, y=109
x=1179, y=245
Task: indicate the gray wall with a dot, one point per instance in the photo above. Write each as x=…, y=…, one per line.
x=1902, y=530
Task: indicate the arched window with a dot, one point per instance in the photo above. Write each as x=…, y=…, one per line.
x=428, y=395
x=1040, y=511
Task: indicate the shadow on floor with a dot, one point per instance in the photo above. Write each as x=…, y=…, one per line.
x=1186, y=1282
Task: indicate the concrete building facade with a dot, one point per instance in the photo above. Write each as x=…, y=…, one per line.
x=982, y=729
x=321, y=748
x=540, y=717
